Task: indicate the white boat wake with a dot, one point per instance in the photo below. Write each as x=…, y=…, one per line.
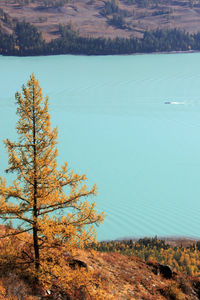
x=173, y=102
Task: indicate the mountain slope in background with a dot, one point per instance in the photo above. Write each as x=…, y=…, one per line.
x=103, y=18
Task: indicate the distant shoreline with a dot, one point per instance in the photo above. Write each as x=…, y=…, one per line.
x=159, y=41
x=171, y=240
x=167, y=237
x=129, y=54
x=165, y=52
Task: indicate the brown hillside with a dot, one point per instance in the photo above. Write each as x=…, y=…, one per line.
x=121, y=277
x=87, y=17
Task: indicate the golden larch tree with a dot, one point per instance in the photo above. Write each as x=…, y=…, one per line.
x=49, y=203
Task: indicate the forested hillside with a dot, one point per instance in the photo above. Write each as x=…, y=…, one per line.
x=93, y=27
x=183, y=256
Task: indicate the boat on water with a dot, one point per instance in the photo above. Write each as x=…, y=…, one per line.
x=173, y=102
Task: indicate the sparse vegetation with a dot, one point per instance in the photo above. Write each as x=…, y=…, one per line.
x=45, y=3
x=113, y=275
x=183, y=259
x=126, y=18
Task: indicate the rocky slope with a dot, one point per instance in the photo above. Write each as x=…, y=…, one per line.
x=131, y=278
x=122, y=277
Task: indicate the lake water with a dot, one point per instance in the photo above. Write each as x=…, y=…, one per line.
x=113, y=125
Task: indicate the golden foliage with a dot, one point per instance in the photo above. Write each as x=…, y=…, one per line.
x=107, y=276
x=174, y=292
x=2, y=291
x=181, y=259
x=50, y=203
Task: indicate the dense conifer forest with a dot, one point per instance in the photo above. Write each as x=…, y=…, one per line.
x=27, y=40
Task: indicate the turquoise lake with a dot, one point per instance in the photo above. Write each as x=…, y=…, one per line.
x=114, y=125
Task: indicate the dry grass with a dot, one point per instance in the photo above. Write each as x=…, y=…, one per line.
x=130, y=278
x=121, y=277
x=85, y=15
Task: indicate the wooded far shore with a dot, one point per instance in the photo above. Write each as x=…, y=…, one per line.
x=27, y=41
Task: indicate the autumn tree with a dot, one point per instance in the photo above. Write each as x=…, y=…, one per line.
x=48, y=202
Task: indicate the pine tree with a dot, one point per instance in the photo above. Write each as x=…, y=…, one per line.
x=49, y=203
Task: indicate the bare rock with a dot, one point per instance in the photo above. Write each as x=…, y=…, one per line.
x=165, y=270
x=74, y=263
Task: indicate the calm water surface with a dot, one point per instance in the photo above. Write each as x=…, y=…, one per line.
x=113, y=125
